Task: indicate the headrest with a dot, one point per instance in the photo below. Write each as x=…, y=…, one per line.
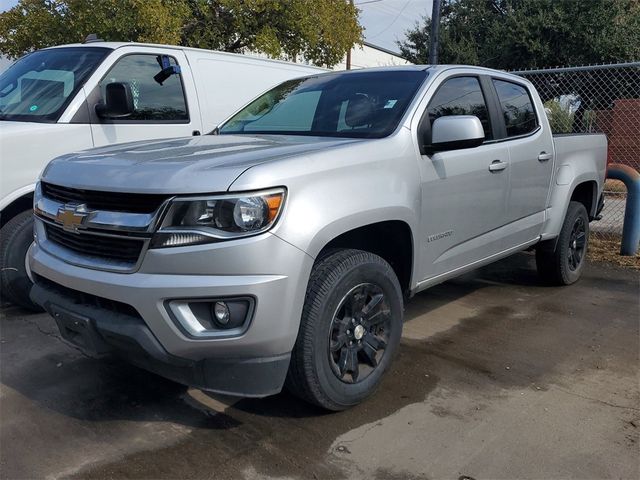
x=359, y=111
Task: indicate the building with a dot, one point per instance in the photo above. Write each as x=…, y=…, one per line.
x=368, y=55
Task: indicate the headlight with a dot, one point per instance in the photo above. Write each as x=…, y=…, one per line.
x=191, y=221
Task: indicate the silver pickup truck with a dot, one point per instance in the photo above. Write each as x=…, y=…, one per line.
x=280, y=250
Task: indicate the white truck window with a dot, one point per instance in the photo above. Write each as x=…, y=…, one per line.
x=152, y=101
x=38, y=87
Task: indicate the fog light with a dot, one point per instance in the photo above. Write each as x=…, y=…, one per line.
x=221, y=312
x=208, y=318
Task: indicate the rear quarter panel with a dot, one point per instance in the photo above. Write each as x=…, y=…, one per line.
x=579, y=158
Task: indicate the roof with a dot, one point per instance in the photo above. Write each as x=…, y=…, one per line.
x=432, y=68
x=116, y=45
x=382, y=49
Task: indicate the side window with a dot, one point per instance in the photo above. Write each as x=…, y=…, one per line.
x=151, y=100
x=460, y=96
x=517, y=108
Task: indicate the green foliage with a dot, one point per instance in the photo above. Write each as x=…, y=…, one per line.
x=320, y=30
x=34, y=24
x=511, y=34
x=560, y=118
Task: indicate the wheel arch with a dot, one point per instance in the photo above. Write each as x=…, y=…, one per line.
x=586, y=192
x=392, y=240
x=17, y=206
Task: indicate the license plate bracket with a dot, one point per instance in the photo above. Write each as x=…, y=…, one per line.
x=79, y=330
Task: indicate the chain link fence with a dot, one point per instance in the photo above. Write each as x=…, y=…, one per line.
x=597, y=99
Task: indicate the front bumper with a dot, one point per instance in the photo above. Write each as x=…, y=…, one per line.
x=253, y=363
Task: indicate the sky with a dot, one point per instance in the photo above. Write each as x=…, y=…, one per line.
x=384, y=21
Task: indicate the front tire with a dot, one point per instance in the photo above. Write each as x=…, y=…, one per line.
x=562, y=263
x=350, y=330
x=15, y=238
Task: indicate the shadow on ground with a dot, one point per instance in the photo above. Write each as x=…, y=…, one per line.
x=518, y=336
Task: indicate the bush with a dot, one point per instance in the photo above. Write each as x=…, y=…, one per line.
x=560, y=118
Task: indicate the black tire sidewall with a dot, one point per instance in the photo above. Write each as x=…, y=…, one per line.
x=339, y=392
x=574, y=211
x=17, y=236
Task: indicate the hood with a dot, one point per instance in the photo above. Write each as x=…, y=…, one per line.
x=189, y=165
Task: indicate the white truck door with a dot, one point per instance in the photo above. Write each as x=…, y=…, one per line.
x=464, y=203
x=530, y=159
x=163, y=108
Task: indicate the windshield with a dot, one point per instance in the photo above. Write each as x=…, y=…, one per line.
x=359, y=104
x=38, y=87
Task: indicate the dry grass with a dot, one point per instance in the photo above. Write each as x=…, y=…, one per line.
x=608, y=251
x=614, y=186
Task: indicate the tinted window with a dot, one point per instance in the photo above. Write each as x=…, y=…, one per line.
x=357, y=104
x=38, y=87
x=517, y=108
x=151, y=100
x=460, y=96
x=294, y=113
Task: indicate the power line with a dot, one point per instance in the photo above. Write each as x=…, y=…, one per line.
x=392, y=22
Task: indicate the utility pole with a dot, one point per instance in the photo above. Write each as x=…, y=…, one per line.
x=435, y=32
x=350, y=48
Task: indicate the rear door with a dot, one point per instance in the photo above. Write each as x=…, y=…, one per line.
x=530, y=158
x=164, y=109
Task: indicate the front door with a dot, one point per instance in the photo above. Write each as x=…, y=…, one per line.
x=464, y=203
x=161, y=109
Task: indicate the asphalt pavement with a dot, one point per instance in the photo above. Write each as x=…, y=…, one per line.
x=498, y=376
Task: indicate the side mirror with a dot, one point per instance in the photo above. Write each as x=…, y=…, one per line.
x=118, y=101
x=165, y=73
x=456, y=132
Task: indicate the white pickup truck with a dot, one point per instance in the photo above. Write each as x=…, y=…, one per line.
x=282, y=249
x=72, y=97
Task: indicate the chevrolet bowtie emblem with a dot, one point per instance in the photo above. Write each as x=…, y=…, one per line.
x=71, y=216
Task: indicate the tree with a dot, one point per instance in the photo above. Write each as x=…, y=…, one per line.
x=321, y=31
x=34, y=24
x=511, y=34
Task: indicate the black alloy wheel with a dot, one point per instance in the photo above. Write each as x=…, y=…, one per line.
x=577, y=243
x=359, y=333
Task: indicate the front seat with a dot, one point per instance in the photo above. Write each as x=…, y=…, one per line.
x=359, y=111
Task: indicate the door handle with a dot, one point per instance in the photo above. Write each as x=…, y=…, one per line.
x=544, y=156
x=497, y=166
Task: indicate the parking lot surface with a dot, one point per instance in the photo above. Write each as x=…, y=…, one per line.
x=497, y=377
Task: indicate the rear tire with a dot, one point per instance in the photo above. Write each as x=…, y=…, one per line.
x=15, y=238
x=561, y=261
x=349, y=332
